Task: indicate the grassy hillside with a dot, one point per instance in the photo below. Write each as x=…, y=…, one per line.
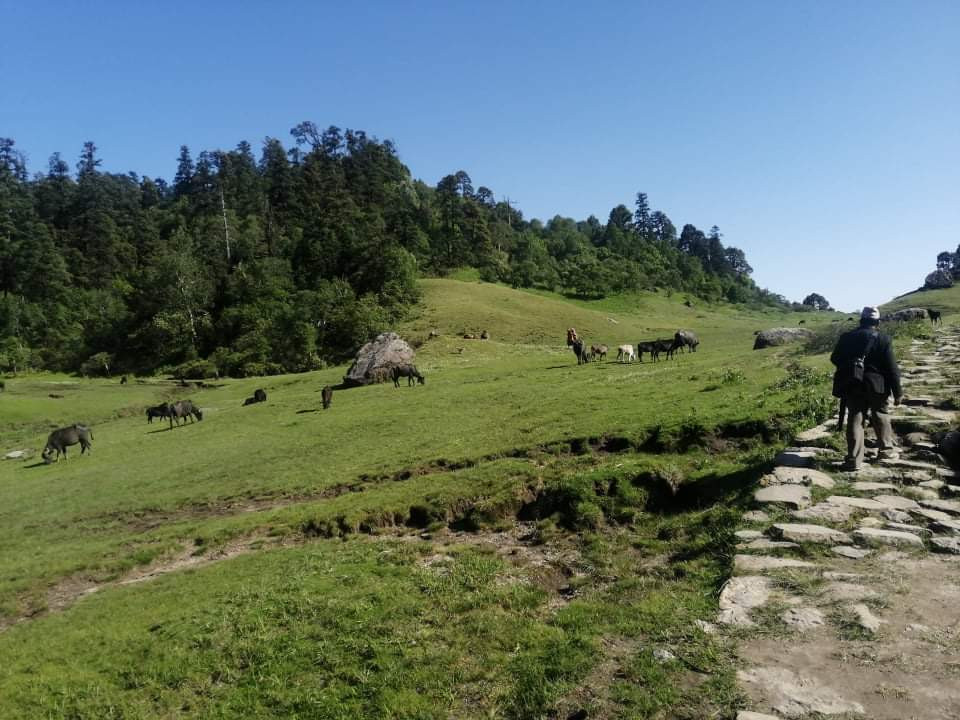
x=384, y=621
x=947, y=301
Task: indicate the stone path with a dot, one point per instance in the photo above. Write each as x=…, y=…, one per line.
x=845, y=597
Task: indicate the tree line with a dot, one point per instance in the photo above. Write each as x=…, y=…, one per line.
x=248, y=265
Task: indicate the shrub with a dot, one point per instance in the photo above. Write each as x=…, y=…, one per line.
x=195, y=370
x=97, y=365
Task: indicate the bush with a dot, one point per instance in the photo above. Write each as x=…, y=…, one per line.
x=195, y=370
x=97, y=365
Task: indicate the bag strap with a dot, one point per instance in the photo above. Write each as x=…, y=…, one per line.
x=869, y=347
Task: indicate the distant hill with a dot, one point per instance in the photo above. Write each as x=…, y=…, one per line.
x=947, y=300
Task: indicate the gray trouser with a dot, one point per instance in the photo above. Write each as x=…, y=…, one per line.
x=857, y=406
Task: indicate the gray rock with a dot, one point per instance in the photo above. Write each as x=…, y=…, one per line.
x=739, y=596
x=760, y=563
x=867, y=486
x=848, y=551
x=932, y=514
x=855, y=502
x=950, y=545
x=376, y=360
x=897, y=516
x=845, y=592
x=915, y=438
x=904, y=527
x=875, y=536
x=663, y=656
x=801, y=532
x=803, y=618
x=780, y=336
x=16, y=455
x=796, y=496
x=946, y=526
x=786, y=475
x=756, y=516
x=795, y=459
x=896, y=502
x=748, y=534
x=821, y=432
x=797, y=696
x=919, y=493
x=707, y=627
x=908, y=464
x=746, y=715
x=906, y=314
x=825, y=511
x=932, y=484
x=918, y=400
x=947, y=506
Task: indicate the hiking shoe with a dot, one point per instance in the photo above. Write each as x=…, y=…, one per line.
x=849, y=465
x=889, y=454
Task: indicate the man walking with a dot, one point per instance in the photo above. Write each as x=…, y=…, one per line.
x=866, y=375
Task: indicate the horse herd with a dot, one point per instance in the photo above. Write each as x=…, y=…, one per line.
x=625, y=353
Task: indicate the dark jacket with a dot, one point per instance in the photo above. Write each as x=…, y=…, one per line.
x=851, y=345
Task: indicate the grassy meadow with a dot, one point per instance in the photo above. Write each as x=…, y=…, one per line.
x=495, y=543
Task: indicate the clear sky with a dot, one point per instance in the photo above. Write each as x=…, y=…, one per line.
x=823, y=138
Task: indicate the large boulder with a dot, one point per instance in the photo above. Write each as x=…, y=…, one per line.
x=780, y=336
x=906, y=314
x=377, y=358
x=938, y=279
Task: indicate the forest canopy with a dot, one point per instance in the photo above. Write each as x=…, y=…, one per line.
x=247, y=265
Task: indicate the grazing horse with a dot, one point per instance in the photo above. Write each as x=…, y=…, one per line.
x=934, y=316
x=181, y=410
x=60, y=439
x=599, y=351
x=327, y=395
x=410, y=372
x=625, y=352
x=158, y=411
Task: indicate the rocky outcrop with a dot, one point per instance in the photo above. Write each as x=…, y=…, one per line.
x=780, y=336
x=906, y=314
x=377, y=358
x=938, y=279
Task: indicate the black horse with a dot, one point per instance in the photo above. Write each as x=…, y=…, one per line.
x=934, y=316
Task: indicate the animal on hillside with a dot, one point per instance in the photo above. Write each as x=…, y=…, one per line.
x=123, y=380
x=580, y=350
x=685, y=338
x=3, y=386
x=260, y=395
x=802, y=322
x=181, y=410
x=485, y=335
x=646, y=347
x=327, y=395
x=664, y=346
x=599, y=351
x=625, y=352
x=61, y=439
x=409, y=372
x=158, y=411
x=55, y=396
x=934, y=316
x=250, y=401
x=571, y=336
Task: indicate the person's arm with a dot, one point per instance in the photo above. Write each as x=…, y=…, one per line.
x=892, y=372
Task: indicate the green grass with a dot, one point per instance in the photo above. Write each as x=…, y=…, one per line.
x=947, y=301
x=360, y=626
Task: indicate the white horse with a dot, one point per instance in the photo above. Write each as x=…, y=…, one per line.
x=626, y=352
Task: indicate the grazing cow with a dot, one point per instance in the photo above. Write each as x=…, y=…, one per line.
x=934, y=316
x=260, y=395
x=123, y=380
x=181, y=410
x=250, y=401
x=667, y=346
x=571, y=336
x=580, y=350
x=327, y=395
x=685, y=338
x=409, y=372
x=60, y=439
x=158, y=411
x=599, y=351
x=646, y=347
x=625, y=352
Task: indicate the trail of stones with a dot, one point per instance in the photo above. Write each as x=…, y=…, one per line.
x=845, y=596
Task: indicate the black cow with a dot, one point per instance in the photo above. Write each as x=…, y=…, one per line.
x=60, y=439
x=158, y=411
x=934, y=316
x=327, y=395
x=646, y=347
x=409, y=372
x=260, y=395
x=580, y=350
x=667, y=346
x=181, y=410
x=123, y=380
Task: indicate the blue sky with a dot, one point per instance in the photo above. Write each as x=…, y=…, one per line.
x=823, y=138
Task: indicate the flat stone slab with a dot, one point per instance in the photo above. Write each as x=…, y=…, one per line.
x=855, y=502
x=16, y=455
x=795, y=458
x=932, y=484
x=848, y=551
x=946, y=473
x=932, y=514
x=797, y=496
x=756, y=516
x=820, y=432
x=909, y=464
x=897, y=516
x=759, y=563
x=947, y=526
x=876, y=536
x=748, y=534
x=896, y=502
x=747, y=715
x=904, y=527
x=867, y=486
x=866, y=619
x=765, y=544
x=947, y=506
x=803, y=618
x=847, y=591
x=739, y=596
x=802, y=532
x=919, y=493
x=949, y=545
x=915, y=438
x=916, y=400
x=825, y=511
x=786, y=475
x=797, y=696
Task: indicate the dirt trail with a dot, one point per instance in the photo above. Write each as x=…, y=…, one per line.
x=838, y=603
